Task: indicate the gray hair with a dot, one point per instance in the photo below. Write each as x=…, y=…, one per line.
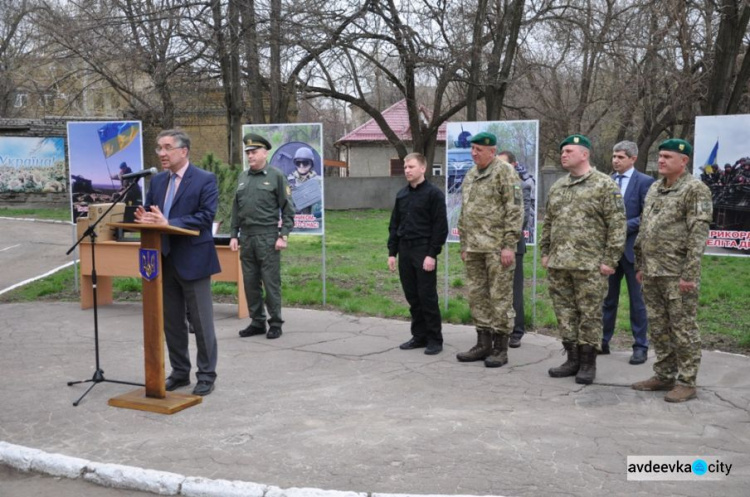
x=180, y=137
x=630, y=148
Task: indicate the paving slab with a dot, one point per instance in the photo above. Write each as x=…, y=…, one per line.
x=334, y=404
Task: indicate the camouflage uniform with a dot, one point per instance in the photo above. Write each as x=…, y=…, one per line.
x=584, y=227
x=255, y=217
x=490, y=220
x=674, y=229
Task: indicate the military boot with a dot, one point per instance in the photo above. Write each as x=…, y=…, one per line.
x=499, y=354
x=479, y=351
x=681, y=393
x=570, y=366
x=587, y=371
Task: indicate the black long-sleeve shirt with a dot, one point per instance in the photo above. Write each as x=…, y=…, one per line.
x=419, y=216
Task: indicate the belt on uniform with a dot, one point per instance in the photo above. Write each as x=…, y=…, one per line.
x=415, y=242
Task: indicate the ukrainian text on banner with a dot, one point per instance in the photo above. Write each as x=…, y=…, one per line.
x=297, y=150
x=721, y=159
x=521, y=138
x=32, y=164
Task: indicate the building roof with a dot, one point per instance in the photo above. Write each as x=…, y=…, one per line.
x=397, y=118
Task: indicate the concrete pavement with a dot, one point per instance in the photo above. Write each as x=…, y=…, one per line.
x=334, y=404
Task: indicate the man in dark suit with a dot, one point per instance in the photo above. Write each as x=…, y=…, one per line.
x=633, y=185
x=185, y=196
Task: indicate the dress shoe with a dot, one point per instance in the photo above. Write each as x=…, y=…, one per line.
x=273, y=332
x=515, y=341
x=433, y=349
x=174, y=383
x=639, y=356
x=604, y=350
x=253, y=330
x=203, y=387
x=413, y=343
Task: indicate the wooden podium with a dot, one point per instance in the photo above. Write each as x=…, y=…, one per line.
x=154, y=397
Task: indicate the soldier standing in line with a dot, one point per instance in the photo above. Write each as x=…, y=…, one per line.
x=490, y=227
x=668, y=250
x=519, y=325
x=583, y=237
x=262, y=193
x=417, y=232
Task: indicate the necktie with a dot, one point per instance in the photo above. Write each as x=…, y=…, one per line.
x=619, y=179
x=170, y=196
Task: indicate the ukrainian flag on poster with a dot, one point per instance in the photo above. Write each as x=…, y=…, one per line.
x=116, y=136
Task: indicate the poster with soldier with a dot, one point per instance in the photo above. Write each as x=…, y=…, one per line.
x=520, y=138
x=100, y=154
x=30, y=164
x=296, y=151
x=721, y=159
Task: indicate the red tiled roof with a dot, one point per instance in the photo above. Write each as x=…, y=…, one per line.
x=397, y=118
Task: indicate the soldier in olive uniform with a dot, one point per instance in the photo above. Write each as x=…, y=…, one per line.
x=668, y=250
x=490, y=227
x=583, y=237
x=262, y=193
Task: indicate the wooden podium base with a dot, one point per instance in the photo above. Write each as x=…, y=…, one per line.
x=172, y=403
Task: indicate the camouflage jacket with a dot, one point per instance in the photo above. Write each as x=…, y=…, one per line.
x=584, y=224
x=259, y=197
x=491, y=208
x=674, y=229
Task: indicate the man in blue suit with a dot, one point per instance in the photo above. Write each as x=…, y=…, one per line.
x=633, y=185
x=185, y=196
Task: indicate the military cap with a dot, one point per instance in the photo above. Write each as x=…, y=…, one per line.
x=484, y=138
x=677, y=145
x=253, y=141
x=576, y=140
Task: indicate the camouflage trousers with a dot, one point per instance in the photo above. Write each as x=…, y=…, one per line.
x=577, y=297
x=673, y=329
x=490, y=287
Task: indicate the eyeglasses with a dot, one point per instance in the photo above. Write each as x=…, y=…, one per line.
x=303, y=163
x=166, y=149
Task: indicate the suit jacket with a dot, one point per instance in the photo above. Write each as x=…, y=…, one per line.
x=634, y=199
x=194, y=208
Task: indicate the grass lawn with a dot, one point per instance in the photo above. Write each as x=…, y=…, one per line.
x=358, y=282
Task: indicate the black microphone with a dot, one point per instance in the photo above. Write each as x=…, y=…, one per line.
x=140, y=174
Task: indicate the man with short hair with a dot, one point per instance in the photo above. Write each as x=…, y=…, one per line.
x=633, y=186
x=185, y=196
x=417, y=231
x=489, y=228
x=583, y=237
x=262, y=193
x=519, y=325
x=668, y=250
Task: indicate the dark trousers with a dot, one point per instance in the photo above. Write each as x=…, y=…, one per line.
x=179, y=296
x=420, y=290
x=638, y=319
x=519, y=323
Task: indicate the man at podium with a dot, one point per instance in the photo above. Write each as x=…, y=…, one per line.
x=185, y=196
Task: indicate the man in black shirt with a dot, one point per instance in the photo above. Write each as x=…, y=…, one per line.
x=418, y=229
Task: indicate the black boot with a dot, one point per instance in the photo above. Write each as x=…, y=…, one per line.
x=570, y=366
x=587, y=372
x=479, y=351
x=499, y=354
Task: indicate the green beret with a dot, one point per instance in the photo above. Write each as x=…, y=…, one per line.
x=484, y=138
x=576, y=140
x=253, y=141
x=677, y=145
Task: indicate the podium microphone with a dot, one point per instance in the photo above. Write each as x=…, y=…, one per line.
x=140, y=174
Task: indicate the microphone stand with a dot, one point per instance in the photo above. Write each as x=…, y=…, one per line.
x=99, y=373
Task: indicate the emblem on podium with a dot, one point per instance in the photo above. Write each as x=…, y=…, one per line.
x=148, y=263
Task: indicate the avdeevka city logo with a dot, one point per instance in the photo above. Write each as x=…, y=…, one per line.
x=700, y=467
x=148, y=263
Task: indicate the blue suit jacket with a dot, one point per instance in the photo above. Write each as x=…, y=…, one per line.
x=634, y=198
x=194, y=208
